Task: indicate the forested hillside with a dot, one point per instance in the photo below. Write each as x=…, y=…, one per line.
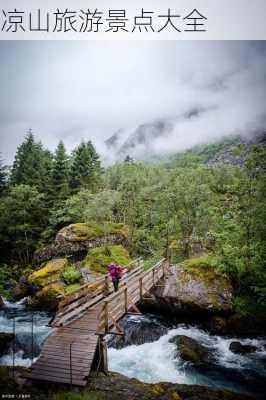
x=187, y=208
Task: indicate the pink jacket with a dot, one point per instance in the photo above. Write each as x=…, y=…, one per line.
x=116, y=271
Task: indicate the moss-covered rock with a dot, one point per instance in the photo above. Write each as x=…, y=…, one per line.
x=76, y=239
x=190, y=350
x=49, y=273
x=87, y=231
x=57, y=277
x=98, y=259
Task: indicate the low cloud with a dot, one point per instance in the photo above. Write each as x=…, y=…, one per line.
x=199, y=91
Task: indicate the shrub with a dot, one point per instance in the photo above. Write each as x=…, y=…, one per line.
x=71, y=275
x=98, y=258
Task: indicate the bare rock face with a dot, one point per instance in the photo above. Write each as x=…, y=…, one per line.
x=5, y=342
x=77, y=239
x=194, y=291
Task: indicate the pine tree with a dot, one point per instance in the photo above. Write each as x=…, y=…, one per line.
x=32, y=165
x=85, y=166
x=60, y=172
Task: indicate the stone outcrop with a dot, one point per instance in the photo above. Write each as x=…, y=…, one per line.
x=194, y=291
x=5, y=342
x=79, y=238
x=118, y=387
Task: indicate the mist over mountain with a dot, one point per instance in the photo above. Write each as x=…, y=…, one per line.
x=163, y=138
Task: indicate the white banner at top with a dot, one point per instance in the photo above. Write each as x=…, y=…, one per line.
x=132, y=20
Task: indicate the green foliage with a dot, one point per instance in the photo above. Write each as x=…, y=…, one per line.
x=205, y=261
x=71, y=275
x=247, y=305
x=219, y=211
x=22, y=219
x=99, y=258
x=6, y=279
x=151, y=261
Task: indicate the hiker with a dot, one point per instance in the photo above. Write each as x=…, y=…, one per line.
x=116, y=272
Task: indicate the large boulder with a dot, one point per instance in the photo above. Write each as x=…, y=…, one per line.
x=190, y=350
x=46, y=284
x=194, y=291
x=77, y=239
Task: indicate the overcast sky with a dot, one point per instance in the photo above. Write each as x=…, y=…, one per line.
x=89, y=90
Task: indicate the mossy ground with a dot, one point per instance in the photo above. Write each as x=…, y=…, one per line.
x=98, y=259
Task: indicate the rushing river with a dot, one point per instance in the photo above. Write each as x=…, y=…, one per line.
x=153, y=361
x=23, y=329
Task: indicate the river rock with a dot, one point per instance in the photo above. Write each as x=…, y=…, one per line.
x=217, y=325
x=194, y=291
x=2, y=304
x=5, y=341
x=190, y=350
x=118, y=387
x=238, y=348
x=138, y=331
x=77, y=239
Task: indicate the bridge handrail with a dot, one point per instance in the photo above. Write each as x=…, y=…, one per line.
x=84, y=295
x=126, y=295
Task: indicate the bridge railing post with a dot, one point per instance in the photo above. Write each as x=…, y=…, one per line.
x=141, y=288
x=106, y=285
x=106, y=319
x=126, y=299
x=70, y=362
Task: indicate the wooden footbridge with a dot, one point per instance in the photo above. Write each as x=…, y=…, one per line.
x=76, y=345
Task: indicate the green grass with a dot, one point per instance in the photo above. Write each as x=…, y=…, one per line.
x=77, y=396
x=98, y=259
x=205, y=261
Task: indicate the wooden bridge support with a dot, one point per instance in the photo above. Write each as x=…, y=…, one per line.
x=102, y=365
